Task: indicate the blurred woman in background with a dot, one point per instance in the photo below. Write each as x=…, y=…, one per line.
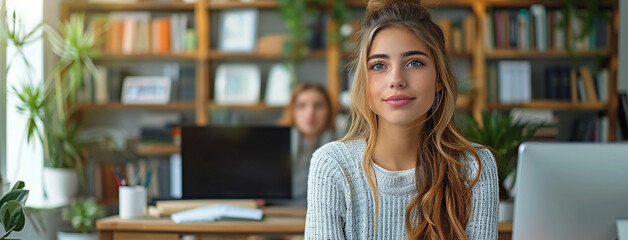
x=311, y=115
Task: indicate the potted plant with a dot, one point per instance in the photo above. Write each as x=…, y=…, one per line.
x=503, y=135
x=50, y=106
x=12, y=215
x=82, y=216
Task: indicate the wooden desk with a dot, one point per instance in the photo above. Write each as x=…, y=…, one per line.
x=276, y=221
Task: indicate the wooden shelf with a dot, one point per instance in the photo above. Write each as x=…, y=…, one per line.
x=551, y=104
x=147, y=56
x=157, y=149
x=426, y=3
x=256, y=107
x=217, y=55
x=120, y=106
x=140, y=6
x=528, y=3
x=224, y=4
x=499, y=54
x=350, y=54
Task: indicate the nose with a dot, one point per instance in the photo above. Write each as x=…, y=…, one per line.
x=397, y=80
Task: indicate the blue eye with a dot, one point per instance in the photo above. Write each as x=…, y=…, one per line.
x=415, y=63
x=377, y=66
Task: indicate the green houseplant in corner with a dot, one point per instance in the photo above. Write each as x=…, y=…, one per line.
x=50, y=107
x=12, y=215
x=82, y=215
x=503, y=135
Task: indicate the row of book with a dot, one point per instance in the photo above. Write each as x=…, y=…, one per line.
x=459, y=34
x=107, y=85
x=137, y=32
x=589, y=129
x=511, y=82
x=541, y=29
x=575, y=128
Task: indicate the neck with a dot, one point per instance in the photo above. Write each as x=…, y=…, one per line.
x=310, y=139
x=397, y=147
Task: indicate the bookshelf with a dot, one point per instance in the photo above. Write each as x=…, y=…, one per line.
x=478, y=56
x=119, y=106
x=147, y=56
x=157, y=149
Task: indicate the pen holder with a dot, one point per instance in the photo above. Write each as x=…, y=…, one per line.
x=132, y=201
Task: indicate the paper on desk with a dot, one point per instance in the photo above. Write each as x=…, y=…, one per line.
x=216, y=212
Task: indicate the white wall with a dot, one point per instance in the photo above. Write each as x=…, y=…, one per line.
x=24, y=162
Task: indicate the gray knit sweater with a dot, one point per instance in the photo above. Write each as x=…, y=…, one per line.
x=341, y=204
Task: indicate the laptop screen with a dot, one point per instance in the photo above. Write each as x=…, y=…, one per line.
x=236, y=162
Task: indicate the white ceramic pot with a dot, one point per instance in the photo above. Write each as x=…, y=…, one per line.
x=76, y=236
x=506, y=211
x=61, y=184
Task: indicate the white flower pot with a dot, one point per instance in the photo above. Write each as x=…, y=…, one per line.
x=77, y=236
x=61, y=184
x=506, y=211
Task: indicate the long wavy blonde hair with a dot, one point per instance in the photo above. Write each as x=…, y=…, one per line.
x=442, y=207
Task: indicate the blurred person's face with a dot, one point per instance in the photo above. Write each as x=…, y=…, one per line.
x=311, y=113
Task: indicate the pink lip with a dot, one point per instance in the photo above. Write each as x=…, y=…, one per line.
x=398, y=100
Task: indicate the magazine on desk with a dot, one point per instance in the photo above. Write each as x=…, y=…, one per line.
x=217, y=213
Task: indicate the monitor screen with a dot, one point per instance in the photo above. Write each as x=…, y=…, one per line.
x=570, y=191
x=236, y=162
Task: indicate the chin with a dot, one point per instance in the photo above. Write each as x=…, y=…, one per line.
x=402, y=119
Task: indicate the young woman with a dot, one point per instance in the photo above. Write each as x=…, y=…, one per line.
x=402, y=171
x=310, y=113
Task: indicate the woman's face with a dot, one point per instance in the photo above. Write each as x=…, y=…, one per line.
x=401, y=76
x=311, y=112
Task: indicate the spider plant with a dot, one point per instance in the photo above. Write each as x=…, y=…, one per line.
x=50, y=106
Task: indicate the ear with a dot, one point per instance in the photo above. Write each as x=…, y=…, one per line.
x=439, y=85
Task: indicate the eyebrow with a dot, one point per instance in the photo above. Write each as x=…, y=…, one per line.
x=405, y=54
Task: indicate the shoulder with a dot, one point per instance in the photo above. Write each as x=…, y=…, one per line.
x=343, y=153
x=487, y=162
x=338, y=159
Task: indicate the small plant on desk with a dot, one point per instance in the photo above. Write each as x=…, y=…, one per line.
x=82, y=215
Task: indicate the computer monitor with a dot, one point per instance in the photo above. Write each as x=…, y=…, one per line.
x=236, y=162
x=570, y=191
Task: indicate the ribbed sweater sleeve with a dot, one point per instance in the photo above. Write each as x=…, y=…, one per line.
x=326, y=206
x=483, y=221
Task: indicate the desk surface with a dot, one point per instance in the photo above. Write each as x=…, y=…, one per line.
x=280, y=220
x=276, y=220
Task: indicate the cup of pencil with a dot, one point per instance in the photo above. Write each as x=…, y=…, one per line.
x=132, y=201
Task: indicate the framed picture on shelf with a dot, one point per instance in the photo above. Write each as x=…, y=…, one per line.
x=146, y=90
x=278, y=86
x=237, y=84
x=238, y=29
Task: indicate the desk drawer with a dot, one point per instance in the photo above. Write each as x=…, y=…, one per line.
x=144, y=236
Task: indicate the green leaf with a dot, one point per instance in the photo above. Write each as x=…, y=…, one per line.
x=18, y=185
x=12, y=216
x=19, y=195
